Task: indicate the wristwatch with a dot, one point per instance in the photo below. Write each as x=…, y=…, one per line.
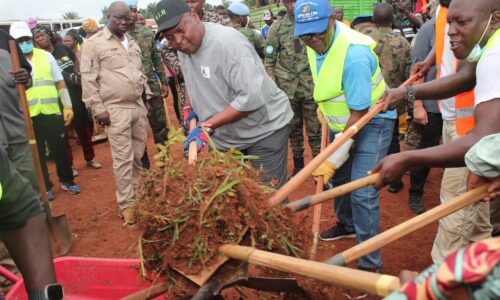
x=208, y=128
x=410, y=94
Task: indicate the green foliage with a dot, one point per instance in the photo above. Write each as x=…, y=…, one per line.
x=71, y=15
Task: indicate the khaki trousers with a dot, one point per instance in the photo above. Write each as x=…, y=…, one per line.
x=467, y=225
x=127, y=135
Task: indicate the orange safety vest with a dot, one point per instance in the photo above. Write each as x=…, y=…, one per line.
x=464, y=102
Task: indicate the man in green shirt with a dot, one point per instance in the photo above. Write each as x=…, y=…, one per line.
x=153, y=67
x=286, y=62
x=238, y=15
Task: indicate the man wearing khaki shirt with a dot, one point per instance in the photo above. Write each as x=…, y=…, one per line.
x=113, y=83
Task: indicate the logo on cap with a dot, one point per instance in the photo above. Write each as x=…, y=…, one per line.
x=160, y=14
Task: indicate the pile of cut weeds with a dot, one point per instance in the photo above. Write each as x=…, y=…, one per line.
x=186, y=211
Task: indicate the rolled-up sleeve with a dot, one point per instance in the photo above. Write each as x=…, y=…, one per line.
x=483, y=158
x=89, y=69
x=247, y=82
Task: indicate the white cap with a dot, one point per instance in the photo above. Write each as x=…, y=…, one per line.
x=20, y=29
x=267, y=16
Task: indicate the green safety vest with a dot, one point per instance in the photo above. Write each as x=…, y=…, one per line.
x=42, y=96
x=493, y=42
x=328, y=93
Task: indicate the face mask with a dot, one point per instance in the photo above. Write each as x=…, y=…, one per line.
x=26, y=47
x=476, y=52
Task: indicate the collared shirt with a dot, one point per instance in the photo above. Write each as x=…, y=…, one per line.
x=111, y=75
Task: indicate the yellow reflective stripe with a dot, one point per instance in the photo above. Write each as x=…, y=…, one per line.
x=43, y=83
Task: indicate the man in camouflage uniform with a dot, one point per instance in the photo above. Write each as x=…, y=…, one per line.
x=153, y=64
x=238, y=15
x=394, y=53
x=170, y=55
x=286, y=62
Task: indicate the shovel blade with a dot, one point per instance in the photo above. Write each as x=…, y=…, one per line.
x=60, y=235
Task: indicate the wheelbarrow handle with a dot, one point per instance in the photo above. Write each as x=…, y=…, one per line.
x=4, y=272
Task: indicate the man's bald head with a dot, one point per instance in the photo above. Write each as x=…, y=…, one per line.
x=117, y=7
x=119, y=18
x=383, y=14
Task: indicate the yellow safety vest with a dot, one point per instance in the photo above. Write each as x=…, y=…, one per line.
x=42, y=96
x=328, y=93
x=1, y=191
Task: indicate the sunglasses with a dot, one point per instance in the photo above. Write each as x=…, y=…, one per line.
x=308, y=37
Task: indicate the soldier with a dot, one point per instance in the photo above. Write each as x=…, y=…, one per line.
x=286, y=62
x=238, y=15
x=152, y=63
x=394, y=53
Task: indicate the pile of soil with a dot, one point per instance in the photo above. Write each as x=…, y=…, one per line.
x=186, y=211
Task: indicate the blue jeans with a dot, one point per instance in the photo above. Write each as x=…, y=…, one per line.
x=359, y=210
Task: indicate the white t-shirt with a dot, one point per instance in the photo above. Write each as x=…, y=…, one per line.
x=448, y=67
x=488, y=77
x=125, y=42
x=54, y=68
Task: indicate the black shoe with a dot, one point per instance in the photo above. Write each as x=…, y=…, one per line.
x=298, y=164
x=395, y=187
x=145, y=161
x=336, y=232
x=416, y=204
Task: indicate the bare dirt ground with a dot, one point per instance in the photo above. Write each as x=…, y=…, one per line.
x=98, y=231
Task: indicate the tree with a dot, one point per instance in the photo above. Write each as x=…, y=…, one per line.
x=104, y=12
x=71, y=15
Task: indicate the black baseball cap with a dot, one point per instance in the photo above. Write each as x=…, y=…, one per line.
x=168, y=13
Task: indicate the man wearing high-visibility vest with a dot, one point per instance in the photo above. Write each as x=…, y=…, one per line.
x=347, y=82
x=43, y=100
x=474, y=35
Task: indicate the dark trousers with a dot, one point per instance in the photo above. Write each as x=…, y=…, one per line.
x=394, y=147
x=81, y=126
x=50, y=129
x=430, y=136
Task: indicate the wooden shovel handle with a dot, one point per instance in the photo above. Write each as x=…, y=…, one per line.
x=193, y=150
x=31, y=133
x=302, y=176
x=306, y=202
x=372, y=283
x=412, y=225
x=319, y=188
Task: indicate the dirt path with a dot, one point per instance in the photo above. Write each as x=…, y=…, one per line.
x=98, y=232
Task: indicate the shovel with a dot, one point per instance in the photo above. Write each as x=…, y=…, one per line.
x=409, y=226
x=60, y=233
x=376, y=284
x=302, y=176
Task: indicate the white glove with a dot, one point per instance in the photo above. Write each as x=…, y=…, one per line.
x=339, y=157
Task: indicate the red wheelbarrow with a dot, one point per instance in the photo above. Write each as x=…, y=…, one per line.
x=88, y=278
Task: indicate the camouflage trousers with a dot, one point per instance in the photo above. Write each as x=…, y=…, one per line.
x=304, y=113
x=413, y=135
x=157, y=120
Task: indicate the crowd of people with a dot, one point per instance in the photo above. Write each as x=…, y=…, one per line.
x=258, y=90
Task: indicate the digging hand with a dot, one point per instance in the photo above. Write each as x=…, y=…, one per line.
x=335, y=161
x=188, y=114
x=198, y=136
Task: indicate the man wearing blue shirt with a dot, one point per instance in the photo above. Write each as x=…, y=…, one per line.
x=347, y=82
